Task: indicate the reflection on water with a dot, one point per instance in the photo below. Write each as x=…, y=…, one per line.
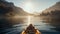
x=45, y=26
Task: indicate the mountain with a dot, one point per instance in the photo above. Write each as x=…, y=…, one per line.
x=52, y=16
x=52, y=11
x=7, y=12
x=9, y=9
x=54, y=7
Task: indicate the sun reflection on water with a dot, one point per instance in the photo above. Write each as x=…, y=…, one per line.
x=29, y=20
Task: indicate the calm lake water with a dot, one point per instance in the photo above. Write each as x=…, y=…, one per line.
x=41, y=25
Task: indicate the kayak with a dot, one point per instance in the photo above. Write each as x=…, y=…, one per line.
x=31, y=30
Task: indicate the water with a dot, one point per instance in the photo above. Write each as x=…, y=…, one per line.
x=41, y=25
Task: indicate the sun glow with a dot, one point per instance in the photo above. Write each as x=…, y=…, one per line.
x=28, y=6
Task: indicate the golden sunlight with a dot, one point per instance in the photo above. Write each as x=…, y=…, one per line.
x=28, y=6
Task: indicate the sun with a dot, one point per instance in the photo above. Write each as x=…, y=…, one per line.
x=28, y=6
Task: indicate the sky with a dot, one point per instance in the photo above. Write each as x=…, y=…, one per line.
x=33, y=5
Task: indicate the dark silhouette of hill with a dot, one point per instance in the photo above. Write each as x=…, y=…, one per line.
x=7, y=12
x=8, y=9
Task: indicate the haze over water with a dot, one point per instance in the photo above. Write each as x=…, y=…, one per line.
x=40, y=24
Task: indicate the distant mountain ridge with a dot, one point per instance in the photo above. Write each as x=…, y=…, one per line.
x=52, y=11
x=54, y=7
